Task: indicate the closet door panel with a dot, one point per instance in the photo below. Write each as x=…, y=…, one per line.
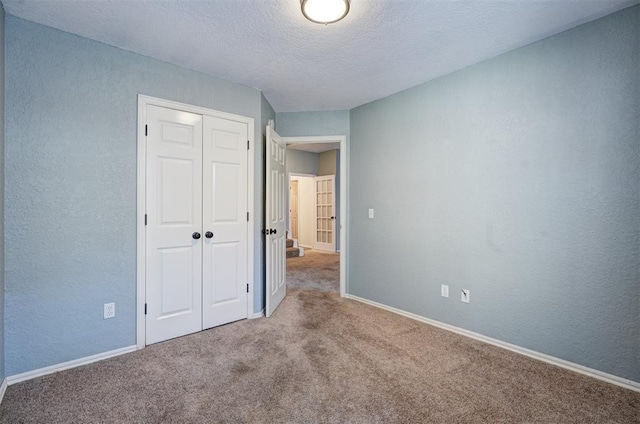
x=224, y=195
x=174, y=214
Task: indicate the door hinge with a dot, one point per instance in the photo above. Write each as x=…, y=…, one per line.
x=146, y=130
x=145, y=219
x=247, y=144
x=247, y=288
x=145, y=309
x=247, y=216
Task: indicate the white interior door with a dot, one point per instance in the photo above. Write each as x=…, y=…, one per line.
x=174, y=220
x=224, y=250
x=324, y=213
x=275, y=247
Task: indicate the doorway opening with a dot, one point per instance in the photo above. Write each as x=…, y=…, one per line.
x=315, y=170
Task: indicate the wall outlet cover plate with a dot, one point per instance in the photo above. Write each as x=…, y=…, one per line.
x=465, y=295
x=109, y=310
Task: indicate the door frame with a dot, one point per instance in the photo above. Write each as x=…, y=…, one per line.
x=341, y=140
x=143, y=102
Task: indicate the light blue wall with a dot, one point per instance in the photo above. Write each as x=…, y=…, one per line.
x=259, y=271
x=517, y=178
x=2, y=19
x=71, y=187
x=301, y=162
x=300, y=124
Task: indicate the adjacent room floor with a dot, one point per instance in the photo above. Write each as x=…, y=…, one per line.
x=316, y=270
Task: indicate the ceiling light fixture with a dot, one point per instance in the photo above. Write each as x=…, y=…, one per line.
x=324, y=11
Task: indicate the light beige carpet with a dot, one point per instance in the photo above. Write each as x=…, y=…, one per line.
x=320, y=359
x=315, y=270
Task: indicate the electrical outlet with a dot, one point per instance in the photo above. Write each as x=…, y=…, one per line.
x=370, y=213
x=109, y=310
x=444, y=290
x=465, y=295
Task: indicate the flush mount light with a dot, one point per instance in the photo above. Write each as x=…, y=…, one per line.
x=324, y=11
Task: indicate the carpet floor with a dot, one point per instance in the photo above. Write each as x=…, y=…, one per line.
x=320, y=359
x=314, y=271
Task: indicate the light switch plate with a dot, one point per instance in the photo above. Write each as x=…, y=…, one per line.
x=444, y=290
x=370, y=213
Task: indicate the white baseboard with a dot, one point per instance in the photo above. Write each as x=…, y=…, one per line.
x=603, y=376
x=3, y=388
x=306, y=246
x=69, y=364
x=257, y=315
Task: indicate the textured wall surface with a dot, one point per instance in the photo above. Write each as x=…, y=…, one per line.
x=298, y=124
x=71, y=187
x=2, y=261
x=516, y=178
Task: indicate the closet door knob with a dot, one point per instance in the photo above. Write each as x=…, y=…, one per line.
x=195, y=235
x=208, y=234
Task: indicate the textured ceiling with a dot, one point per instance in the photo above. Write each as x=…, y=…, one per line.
x=380, y=48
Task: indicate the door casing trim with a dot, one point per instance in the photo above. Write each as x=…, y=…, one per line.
x=143, y=102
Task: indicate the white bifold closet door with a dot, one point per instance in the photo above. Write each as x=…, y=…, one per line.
x=224, y=272
x=196, y=232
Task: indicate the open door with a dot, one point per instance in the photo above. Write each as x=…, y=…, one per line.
x=274, y=230
x=324, y=213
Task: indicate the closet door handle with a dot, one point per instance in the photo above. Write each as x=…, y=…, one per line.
x=195, y=235
x=208, y=234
